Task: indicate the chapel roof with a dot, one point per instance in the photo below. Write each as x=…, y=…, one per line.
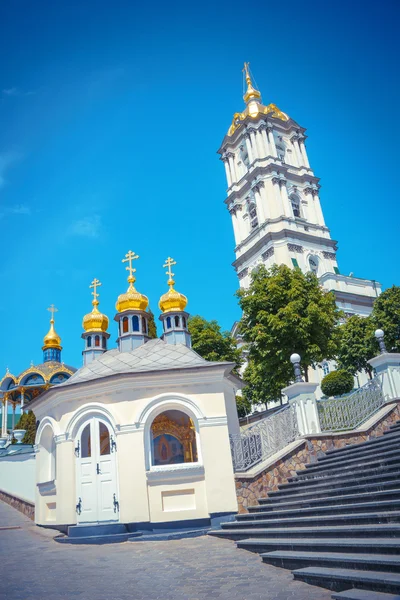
x=155, y=355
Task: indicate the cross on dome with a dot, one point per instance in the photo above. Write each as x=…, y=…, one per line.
x=53, y=310
x=95, y=284
x=129, y=257
x=170, y=262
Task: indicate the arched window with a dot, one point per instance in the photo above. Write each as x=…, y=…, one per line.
x=184, y=322
x=104, y=439
x=325, y=368
x=313, y=263
x=97, y=341
x=168, y=322
x=244, y=156
x=252, y=210
x=47, y=456
x=103, y=343
x=144, y=325
x=125, y=325
x=89, y=341
x=295, y=202
x=86, y=442
x=176, y=321
x=135, y=323
x=173, y=438
x=280, y=150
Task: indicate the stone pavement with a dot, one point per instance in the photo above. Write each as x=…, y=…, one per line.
x=34, y=567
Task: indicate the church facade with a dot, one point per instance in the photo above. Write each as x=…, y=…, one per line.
x=140, y=433
x=273, y=199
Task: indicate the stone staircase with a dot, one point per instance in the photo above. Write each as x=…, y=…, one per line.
x=336, y=524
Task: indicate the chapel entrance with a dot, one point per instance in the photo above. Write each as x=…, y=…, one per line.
x=97, y=498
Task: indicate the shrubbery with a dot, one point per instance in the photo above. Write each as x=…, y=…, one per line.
x=27, y=421
x=337, y=383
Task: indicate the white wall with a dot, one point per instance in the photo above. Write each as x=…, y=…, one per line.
x=17, y=475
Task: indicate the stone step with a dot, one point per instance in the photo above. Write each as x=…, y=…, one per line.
x=288, y=559
x=395, y=425
x=331, y=500
x=96, y=529
x=265, y=511
x=239, y=530
x=340, y=579
x=376, y=441
x=311, y=485
x=113, y=538
x=335, y=490
x=385, y=446
x=303, y=476
x=351, y=545
x=298, y=482
x=380, y=458
x=298, y=521
x=357, y=594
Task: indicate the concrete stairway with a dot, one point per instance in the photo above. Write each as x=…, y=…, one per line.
x=336, y=524
x=106, y=533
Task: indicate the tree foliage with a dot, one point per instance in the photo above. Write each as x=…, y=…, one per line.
x=27, y=421
x=337, y=383
x=284, y=311
x=386, y=315
x=357, y=344
x=152, y=325
x=211, y=343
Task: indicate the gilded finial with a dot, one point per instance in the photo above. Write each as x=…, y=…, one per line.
x=52, y=339
x=129, y=257
x=52, y=309
x=251, y=92
x=95, y=284
x=170, y=262
x=247, y=73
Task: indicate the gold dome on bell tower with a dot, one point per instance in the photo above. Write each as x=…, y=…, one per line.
x=95, y=321
x=131, y=299
x=52, y=340
x=172, y=301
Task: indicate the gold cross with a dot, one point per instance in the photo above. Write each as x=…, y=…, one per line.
x=168, y=264
x=247, y=74
x=95, y=284
x=129, y=257
x=53, y=310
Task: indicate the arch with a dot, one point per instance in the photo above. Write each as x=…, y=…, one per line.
x=47, y=422
x=97, y=341
x=104, y=342
x=59, y=377
x=7, y=381
x=35, y=370
x=313, y=263
x=125, y=325
x=47, y=454
x=89, y=341
x=295, y=203
x=163, y=402
x=34, y=379
x=135, y=323
x=144, y=325
x=85, y=412
x=168, y=322
x=173, y=439
x=177, y=321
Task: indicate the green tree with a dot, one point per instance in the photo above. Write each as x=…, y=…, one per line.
x=27, y=421
x=152, y=325
x=337, y=383
x=284, y=311
x=211, y=343
x=386, y=315
x=356, y=344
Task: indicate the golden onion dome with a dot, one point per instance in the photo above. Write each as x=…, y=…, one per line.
x=132, y=299
x=172, y=301
x=95, y=320
x=52, y=339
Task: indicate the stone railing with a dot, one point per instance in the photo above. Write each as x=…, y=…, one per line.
x=264, y=439
x=340, y=414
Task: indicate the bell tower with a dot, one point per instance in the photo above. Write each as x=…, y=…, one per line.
x=273, y=199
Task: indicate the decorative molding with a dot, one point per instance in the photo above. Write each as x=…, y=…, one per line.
x=295, y=248
x=234, y=208
x=330, y=255
x=243, y=273
x=212, y=422
x=268, y=253
x=183, y=471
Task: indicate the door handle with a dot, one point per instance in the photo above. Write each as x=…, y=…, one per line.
x=98, y=469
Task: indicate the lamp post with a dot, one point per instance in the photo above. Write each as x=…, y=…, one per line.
x=380, y=336
x=295, y=360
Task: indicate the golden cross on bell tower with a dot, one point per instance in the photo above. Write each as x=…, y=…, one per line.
x=247, y=73
x=129, y=257
x=170, y=262
x=95, y=284
x=53, y=310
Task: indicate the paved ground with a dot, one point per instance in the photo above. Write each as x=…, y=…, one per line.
x=34, y=567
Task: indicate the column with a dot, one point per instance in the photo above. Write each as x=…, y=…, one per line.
x=318, y=209
x=301, y=397
x=264, y=200
x=235, y=223
x=271, y=141
x=5, y=408
x=249, y=149
x=227, y=171
x=265, y=141
x=296, y=150
x=259, y=204
x=278, y=197
x=2, y=416
x=253, y=143
x=13, y=404
x=22, y=400
x=231, y=159
x=285, y=198
x=262, y=151
x=303, y=152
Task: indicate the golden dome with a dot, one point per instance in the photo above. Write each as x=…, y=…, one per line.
x=95, y=320
x=172, y=301
x=132, y=299
x=51, y=339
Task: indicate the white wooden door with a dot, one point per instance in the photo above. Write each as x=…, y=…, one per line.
x=96, y=474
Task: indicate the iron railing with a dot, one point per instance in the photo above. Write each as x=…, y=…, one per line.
x=338, y=414
x=263, y=439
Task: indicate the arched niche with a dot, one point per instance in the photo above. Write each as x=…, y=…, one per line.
x=173, y=439
x=47, y=455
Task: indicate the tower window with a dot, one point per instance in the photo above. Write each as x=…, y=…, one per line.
x=89, y=341
x=103, y=343
x=295, y=206
x=280, y=150
x=176, y=321
x=244, y=156
x=125, y=325
x=184, y=322
x=135, y=323
x=252, y=210
x=168, y=322
x=97, y=340
x=144, y=325
x=313, y=262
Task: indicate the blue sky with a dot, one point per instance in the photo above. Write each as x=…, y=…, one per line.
x=110, y=118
